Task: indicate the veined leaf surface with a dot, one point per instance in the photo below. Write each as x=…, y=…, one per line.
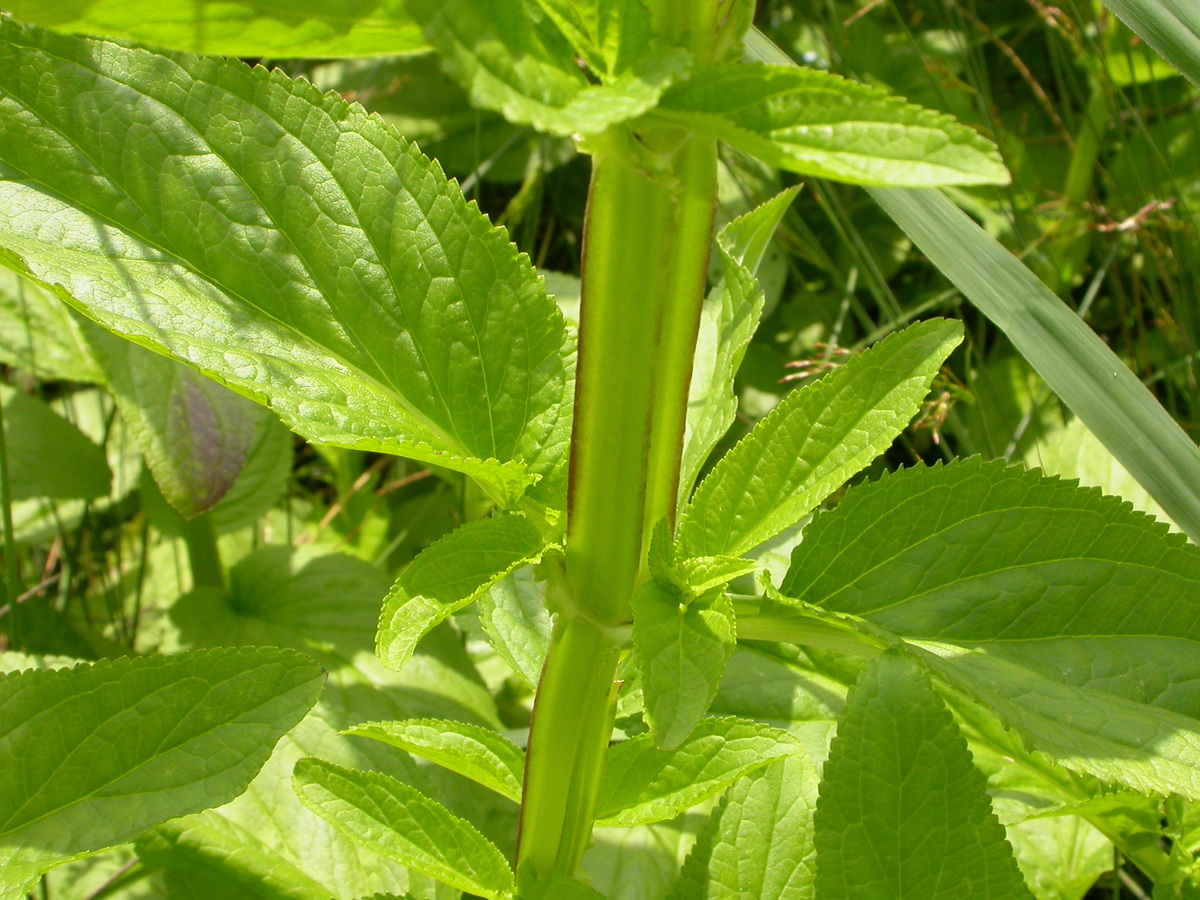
x=511, y=59
x=450, y=575
x=477, y=753
x=902, y=811
x=813, y=441
x=1072, y=616
x=728, y=320
x=40, y=334
x=818, y=123
x=283, y=242
x=97, y=754
x=643, y=784
x=400, y=823
x=251, y=28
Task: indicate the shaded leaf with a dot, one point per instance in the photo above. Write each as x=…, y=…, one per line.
x=518, y=626
x=47, y=455
x=40, y=334
x=643, y=784
x=1172, y=27
x=902, y=811
x=449, y=575
x=101, y=752
x=400, y=823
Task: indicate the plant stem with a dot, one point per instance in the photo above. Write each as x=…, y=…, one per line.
x=645, y=262
x=203, y=554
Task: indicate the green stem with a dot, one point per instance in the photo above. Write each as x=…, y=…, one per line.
x=203, y=554
x=568, y=738
x=645, y=261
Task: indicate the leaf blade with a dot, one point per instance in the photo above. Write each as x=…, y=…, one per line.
x=812, y=442
x=401, y=823
x=183, y=733
x=902, y=810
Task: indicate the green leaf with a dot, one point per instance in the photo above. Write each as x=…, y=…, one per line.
x=682, y=645
x=902, y=811
x=1172, y=27
x=1073, y=360
x=818, y=123
x=509, y=59
x=555, y=887
x=1060, y=858
x=1069, y=614
x=513, y=613
x=253, y=28
x=760, y=841
x=473, y=752
x=813, y=441
x=727, y=322
x=643, y=784
x=48, y=457
x=41, y=335
x=450, y=575
x=101, y=752
x=194, y=433
x=338, y=277
x=1097, y=386
x=400, y=823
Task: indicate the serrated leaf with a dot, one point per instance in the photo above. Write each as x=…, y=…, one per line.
x=510, y=60
x=728, y=320
x=513, y=613
x=902, y=811
x=1069, y=614
x=682, y=646
x=337, y=276
x=813, y=441
x=400, y=823
x=41, y=335
x=250, y=28
x=1172, y=27
x=450, y=575
x=48, y=457
x=473, y=752
x=643, y=784
x=194, y=433
x=760, y=840
x=99, y=753
x=818, y=123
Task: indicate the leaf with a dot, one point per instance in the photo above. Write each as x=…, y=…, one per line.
x=682, y=645
x=48, y=457
x=1075, y=363
x=1060, y=858
x=643, y=784
x=194, y=433
x=510, y=60
x=251, y=28
x=902, y=811
x=473, y=752
x=284, y=242
x=813, y=441
x=450, y=575
x=760, y=841
x=728, y=320
x=641, y=862
x=555, y=887
x=817, y=123
x=99, y=753
x=1073, y=617
x=400, y=823
x=40, y=334
x=1172, y=27
x=514, y=616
